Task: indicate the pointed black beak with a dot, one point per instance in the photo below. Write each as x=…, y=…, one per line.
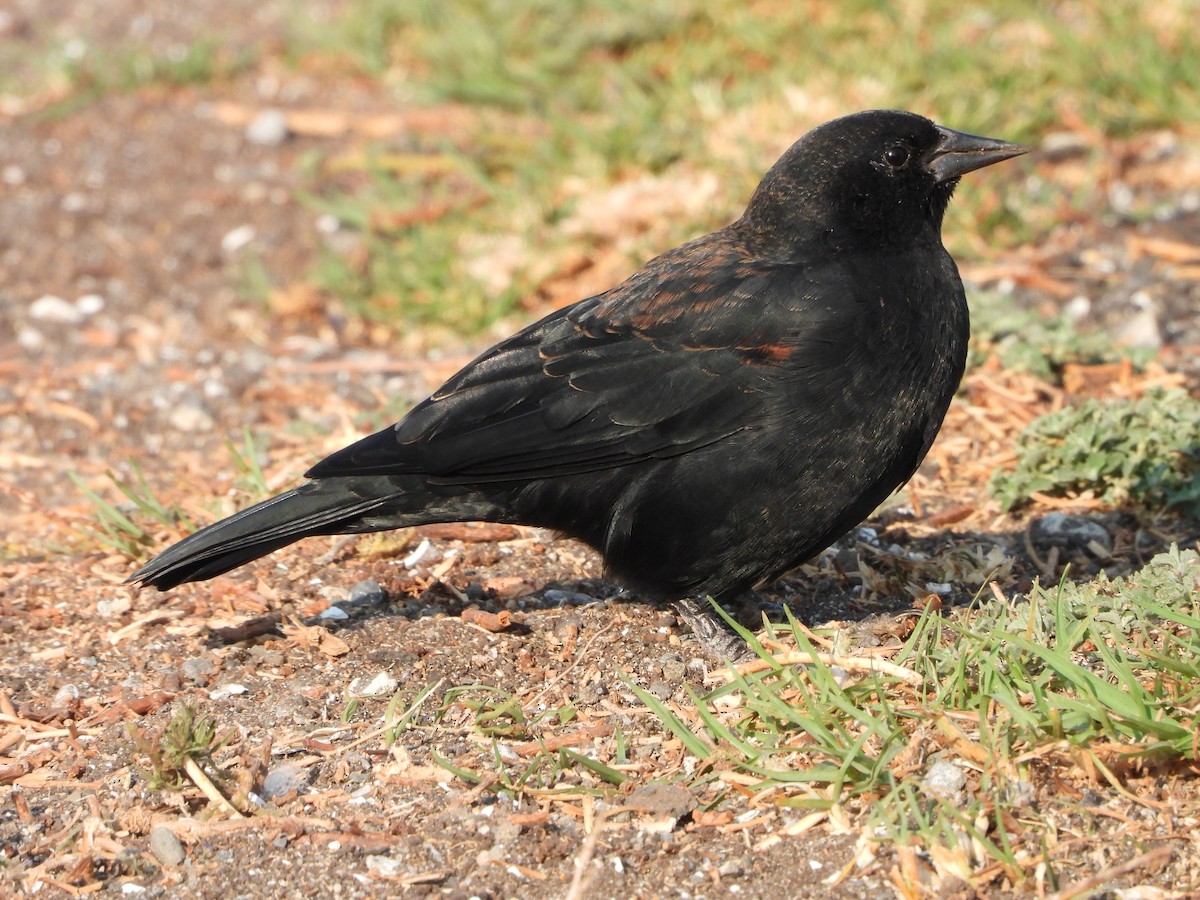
x=960, y=153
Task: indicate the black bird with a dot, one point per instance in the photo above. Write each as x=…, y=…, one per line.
x=713, y=421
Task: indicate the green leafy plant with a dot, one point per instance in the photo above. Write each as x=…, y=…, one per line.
x=1025, y=341
x=1144, y=452
x=173, y=753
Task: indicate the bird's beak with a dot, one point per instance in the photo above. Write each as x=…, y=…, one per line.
x=960, y=153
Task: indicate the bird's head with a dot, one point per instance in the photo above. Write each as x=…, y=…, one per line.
x=874, y=179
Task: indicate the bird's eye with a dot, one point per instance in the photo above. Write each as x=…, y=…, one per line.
x=896, y=156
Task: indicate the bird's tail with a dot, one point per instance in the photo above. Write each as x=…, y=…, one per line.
x=314, y=508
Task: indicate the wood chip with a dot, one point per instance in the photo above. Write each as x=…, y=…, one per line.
x=489, y=621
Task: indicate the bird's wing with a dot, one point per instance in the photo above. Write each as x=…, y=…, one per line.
x=672, y=359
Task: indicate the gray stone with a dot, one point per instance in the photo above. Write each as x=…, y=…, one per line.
x=198, y=669
x=567, y=598
x=662, y=800
x=165, y=846
x=945, y=778
x=367, y=592
x=673, y=667
x=1072, y=532
x=284, y=780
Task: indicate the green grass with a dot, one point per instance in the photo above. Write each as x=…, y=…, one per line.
x=134, y=524
x=1049, y=688
x=79, y=71
x=127, y=526
x=596, y=91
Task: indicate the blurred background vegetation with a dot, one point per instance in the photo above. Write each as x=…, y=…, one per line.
x=685, y=104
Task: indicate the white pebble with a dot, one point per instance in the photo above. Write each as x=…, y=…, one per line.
x=190, y=417
x=417, y=555
x=381, y=685
x=49, y=308
x=268, y=129
x=237, y=239
x=30, y=338
x=1078, y=307
x=65, y=694
x=227, y=690
x=89, y=304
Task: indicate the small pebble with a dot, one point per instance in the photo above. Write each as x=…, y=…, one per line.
x=945, y=778
x=197, y=669
x=90, y=304
x=283, y=781
x=1078, y=307
x=568, y=598
x=661, y=690
x=662, y=800
x=382, y=685
x=113, y=607
x=267, y=656
x=673, y=667
x=189, y=417
x=367, y=592
x=1069, y=531
x=238, y=238
x=1140, y=330
x=227, y=690
x=166, y=846
x=1021, y=794
x=333, y=614
x=384, y=866
x=65, y=695
x=30, y=338
x=268, y=129
x=49, y=308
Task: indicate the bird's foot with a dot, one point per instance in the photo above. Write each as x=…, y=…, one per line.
x=717, y=639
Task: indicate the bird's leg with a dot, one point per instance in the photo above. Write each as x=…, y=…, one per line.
x=717, y=638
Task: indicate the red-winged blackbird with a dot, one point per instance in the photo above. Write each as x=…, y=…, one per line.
x=716, y=419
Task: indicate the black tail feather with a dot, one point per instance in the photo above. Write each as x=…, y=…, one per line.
x=314, y=508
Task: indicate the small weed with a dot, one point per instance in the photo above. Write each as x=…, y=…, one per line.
x=186, y=740
x=1143, y=452
x=250, y=478
x=132, y=527
x=125, y=528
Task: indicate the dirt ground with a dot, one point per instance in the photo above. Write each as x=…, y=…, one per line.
x=124, y=231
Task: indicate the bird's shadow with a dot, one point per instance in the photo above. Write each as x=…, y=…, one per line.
x=875, y=577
